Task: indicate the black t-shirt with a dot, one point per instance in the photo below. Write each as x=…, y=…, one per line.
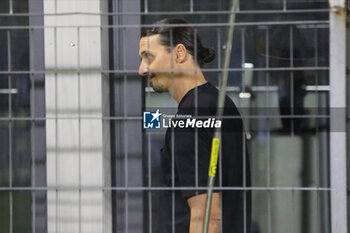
x=185, y=162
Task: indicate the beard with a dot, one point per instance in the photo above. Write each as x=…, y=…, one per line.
x=157, y=87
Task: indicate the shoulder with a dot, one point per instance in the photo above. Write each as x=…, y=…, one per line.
x=203, y=96
x=208, y=95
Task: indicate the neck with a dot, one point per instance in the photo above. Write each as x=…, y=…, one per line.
x=185, y=83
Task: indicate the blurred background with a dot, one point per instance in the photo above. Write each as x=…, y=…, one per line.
x=74, y=156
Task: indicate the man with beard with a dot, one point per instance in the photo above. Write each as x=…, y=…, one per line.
x=171, y=65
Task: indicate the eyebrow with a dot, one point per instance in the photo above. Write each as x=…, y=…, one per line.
x=145, y=53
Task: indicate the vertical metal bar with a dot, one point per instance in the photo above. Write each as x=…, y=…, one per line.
x=56, y=128
x=291, y=57
x=191, y=6
x=37, y=109
x=126, y=139
x=220, y=151
x=196, y=114
x=104, y=185
x=9, y=68
x=217, y=134
x=196, y=70
x=319, y=208
x=269, y=216
x=33, y=173
x=134, y=165
x=243, y=135
x=148, y=61
x=317, y=88
x=11, y=7
x=244, y=183
x=316, y=46
x=294, y=214
x=196, y=107
x=126, y=211
x=103, y=177
x=318, y=212
x=103, y=202
x=146, y=6
x=172, y=183
x=317, y=144
x=317, y=170
x=150, y=211
x=149, y=183
x=172, y=150
x=284, y=5
x=10, y=103
x=32, y=83
x=267, y=64
x=33, y=144
x=79, y=127
x=11, y=212
x=149, y=154
x=218, y=35
x=149, y=157
x=218, y=31
x=56, y=5
x=243, y=57
x=220, y=185
x=337, y=81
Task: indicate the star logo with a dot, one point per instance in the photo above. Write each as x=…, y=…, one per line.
x=156, y=115
x=151, y=120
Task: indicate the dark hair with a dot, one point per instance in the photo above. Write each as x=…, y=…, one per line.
x=180, y=35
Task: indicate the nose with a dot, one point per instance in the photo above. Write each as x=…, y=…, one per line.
x=143, y=69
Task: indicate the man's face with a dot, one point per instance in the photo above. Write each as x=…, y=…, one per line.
x=155, y=61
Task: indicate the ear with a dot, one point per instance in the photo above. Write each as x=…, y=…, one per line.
x=180, y=53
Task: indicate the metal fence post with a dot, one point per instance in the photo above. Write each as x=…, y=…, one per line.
x=338, y=105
